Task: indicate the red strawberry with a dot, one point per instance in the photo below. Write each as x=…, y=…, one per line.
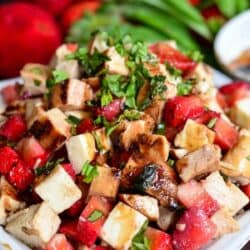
x=8, y=159
x=14, y=128
x=246, y=189
x=76, y=208
x=56, y=7
x=70, y=170
x=21, y=176
x=76, y=11
x=33, y=36
x=211, y=12
x=86, y=125
x=58, y=242
x=10, y=93
x=194, y=2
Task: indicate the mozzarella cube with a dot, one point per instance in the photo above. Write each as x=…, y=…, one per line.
x=117, y=63
x=9, y=201
x=142, y=203
x=194, y=136
x=228, y=195
x=35, y=77
x=240, y=113
x=35, y=225
x=106, y=178
x=122, y=224
x=58, y=189
x=80, y=148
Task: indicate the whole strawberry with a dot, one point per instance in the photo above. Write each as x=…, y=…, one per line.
x=27, y=34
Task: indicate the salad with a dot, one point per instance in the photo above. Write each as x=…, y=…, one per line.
x=120, y=145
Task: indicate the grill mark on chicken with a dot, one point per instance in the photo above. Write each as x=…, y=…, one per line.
x=63, y=91
x=39, y=129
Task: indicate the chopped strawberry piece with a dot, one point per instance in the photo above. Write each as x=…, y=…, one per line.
x=21, y=176
x=158, y=240
x=92, y=228
x=72, y=47
x=221, y=100
x=8, y=159
x=194, y=2
x=246, y=189
x=207, y=116
x=112, y=110
x=181, y=108
x=120, y=158
x=171, y=132
x=211, y=12
x=234, y=91
x=193, y=230
x=192, y=194
x=14, y=128
x=59, y=242
x=86, y=125
x=76, y=208
x=31, y=152
x=101, y=248
x=70, y=170
x=10, y=94
x=174, y=57
x=226, y=134
x=69, y=228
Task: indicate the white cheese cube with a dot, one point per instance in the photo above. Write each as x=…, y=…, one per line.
x=228, y=195
x=240, y=113
x=80, y=148
x=117, y=63
x=193, y=136
x=35, y=225
x=58, y=189
x=122, y=224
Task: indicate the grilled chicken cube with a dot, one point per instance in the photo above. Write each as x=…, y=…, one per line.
x=200, y=162
x=155, y=110
x=98, y=44
x=35, y=225
x=122, y=224
x=240, y=113
x=51, y=129
x=236, y=163
x=116, y=63
x=156, y=147
x=228, y=195
x=81, y=149
x=224, y=222
x=9, y=201
x=58, y=189
x=34, y=107
x=103, y=142
x=78, y=114
x=72, y=94
x=144, y=204
x=193, y=136
x=166, y=218
x=106, y=183
x=70, y=67
x=35, y=77
x=132, y=129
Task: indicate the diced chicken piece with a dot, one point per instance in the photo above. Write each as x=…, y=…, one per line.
x=35, y=225
x=200, y=162
x=16, y=107
x=155, y=110
x=51, y=129
x=94, y=82
x=80, y=148
x=178, y=152
x=102, y=140
x=122, y=224
x=228, y=195
x=58, y=189
x=72, y=94
x=224, y=222
x=156, y=147
x=193, y=136
x=116, y=63
x=9, y=201
x=60, y=54
x=166, y=218
x=132, y=129
x=34, y=107
x=71, y=67
x=240, y=113
x=78, y=114
x=35, y=77
x=236, y=162
x=99, y=44
x=143, y=204
x=106, y=183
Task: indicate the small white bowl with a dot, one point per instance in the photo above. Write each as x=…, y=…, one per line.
x=232, y=40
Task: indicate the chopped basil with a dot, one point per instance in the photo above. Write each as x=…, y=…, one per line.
x=73, y=120
x=89, y=172
x=58, y=76
x=95, y=215
x=140, y=241
x=248, y=157
x=131, y=115
x=106, y=98
x=98, y=142
x=37, y=82
x=48, y=167
x=171, y=162
x=195, y=55
x=186, y=87
x=212, y=123
x=161, y=129
x=172, y=70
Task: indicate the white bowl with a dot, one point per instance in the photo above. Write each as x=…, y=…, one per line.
x=232, y=40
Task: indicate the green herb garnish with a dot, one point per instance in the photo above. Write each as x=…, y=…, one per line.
x=212, y=123
x=37, y=82
x=58, y=76
x=171, y=162
x=95, y=215
x=186, y=87
x=48, y=167
x=161, y=129
x=89, y=172
x=36, y=71
x=140, y=241
x=73, y=120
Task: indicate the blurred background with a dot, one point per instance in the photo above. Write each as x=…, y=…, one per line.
x=30, y=30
